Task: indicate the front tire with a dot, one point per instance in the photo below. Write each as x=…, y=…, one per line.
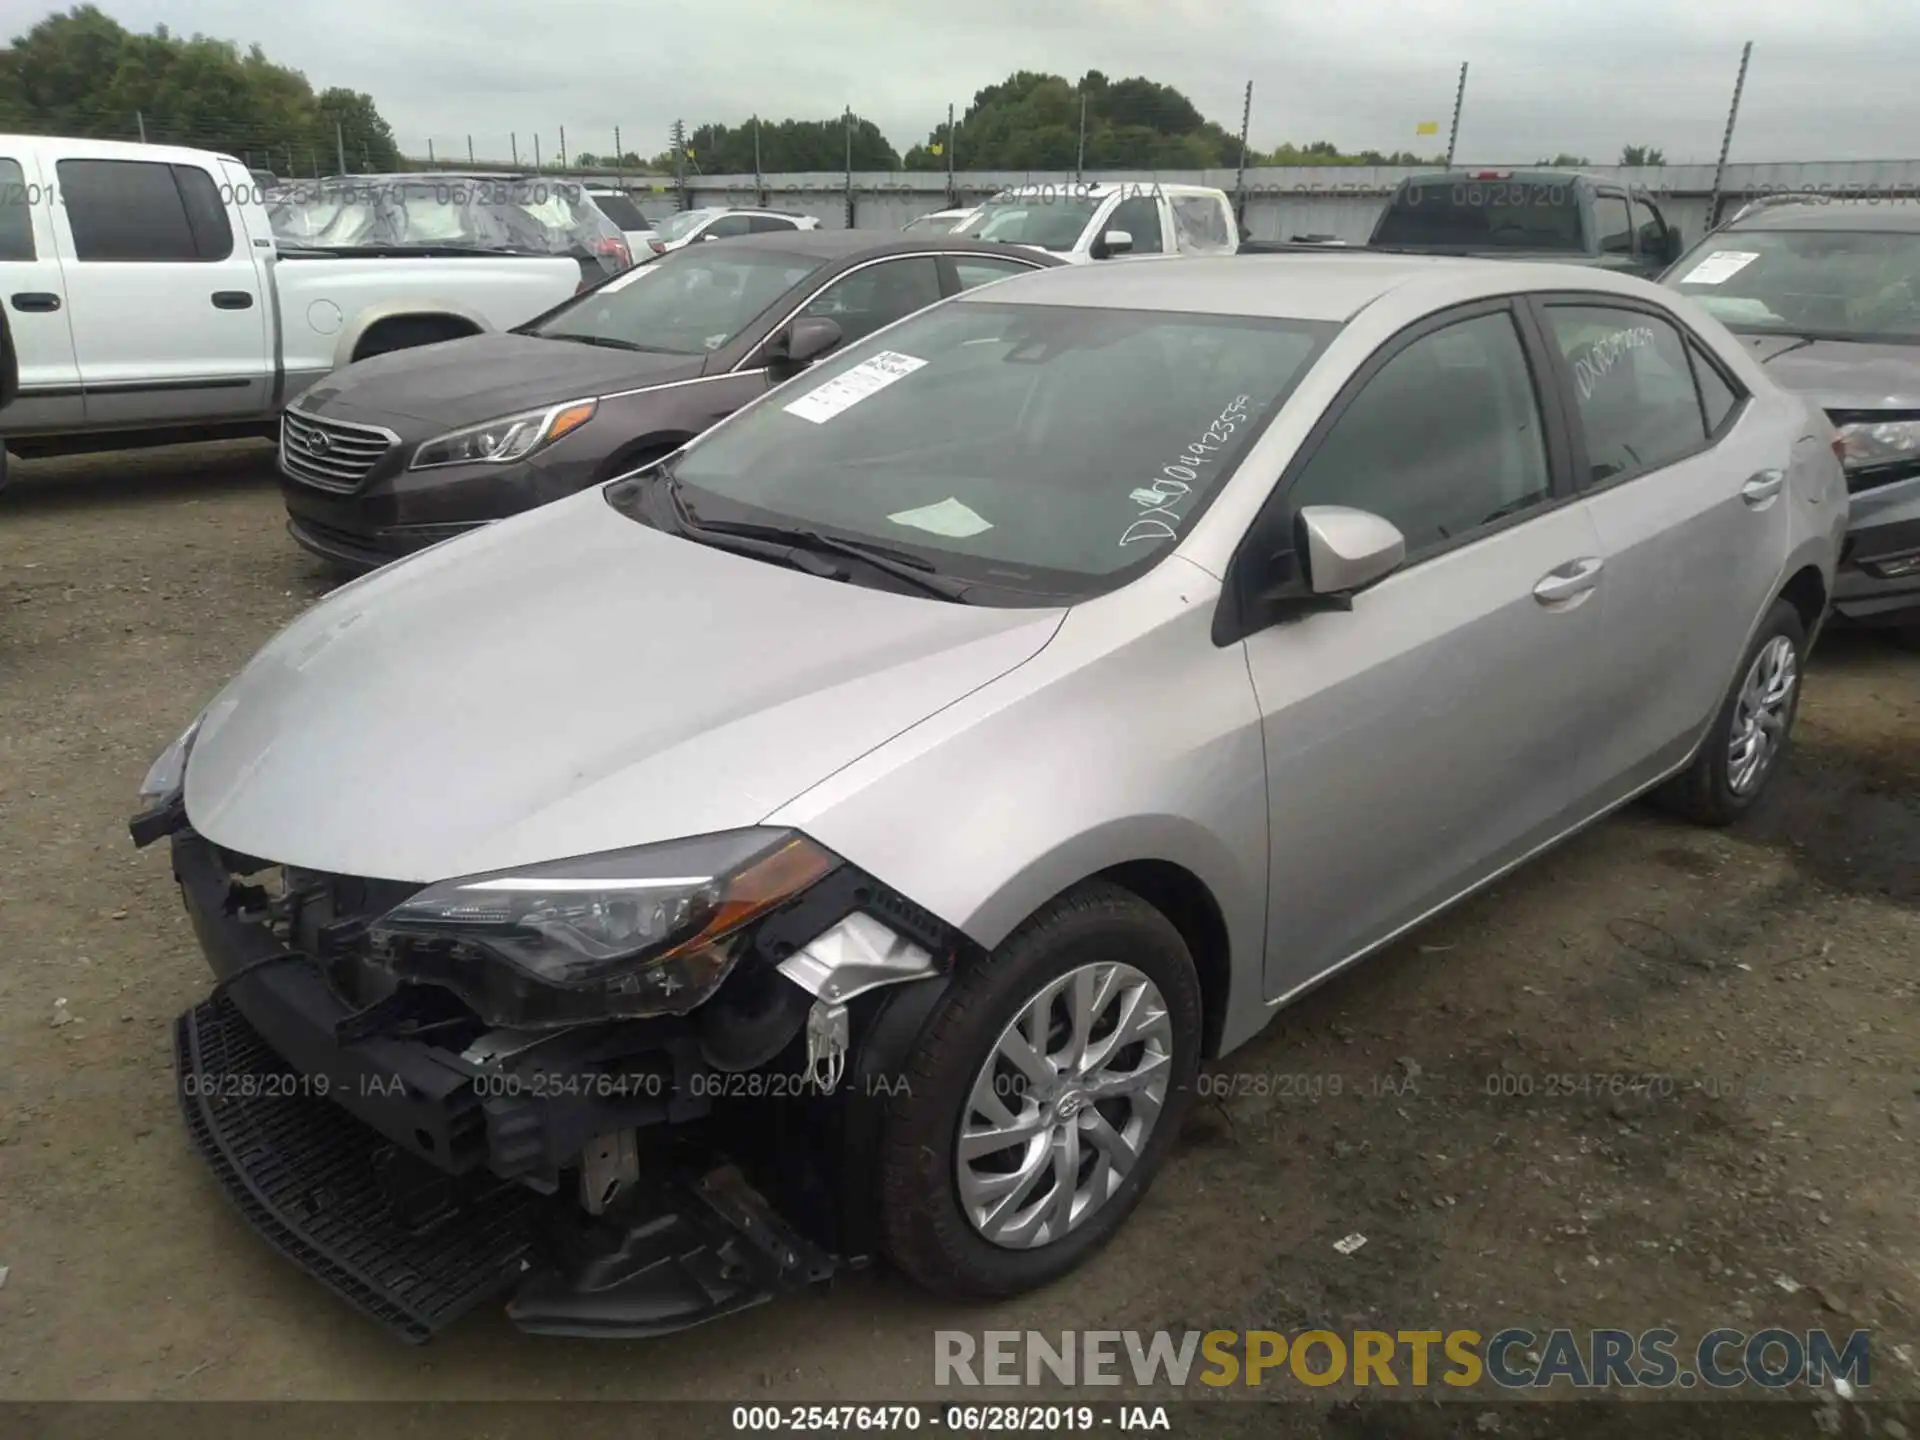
x=1742, y=752
x=1042, y=1098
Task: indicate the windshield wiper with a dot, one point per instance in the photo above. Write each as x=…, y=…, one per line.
x=606, y=340
x=900, y=564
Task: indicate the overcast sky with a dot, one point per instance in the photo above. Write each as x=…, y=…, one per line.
x=1828, y=81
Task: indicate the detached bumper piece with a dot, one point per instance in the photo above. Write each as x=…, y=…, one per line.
x=414, y=1248
x=411, y=1249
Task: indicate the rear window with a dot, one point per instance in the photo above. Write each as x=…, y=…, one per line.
x=622, y=211
x=1484, y=215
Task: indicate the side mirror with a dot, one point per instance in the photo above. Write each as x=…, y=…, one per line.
x=1345, y=550
x=805, y=341
x=1114, y=242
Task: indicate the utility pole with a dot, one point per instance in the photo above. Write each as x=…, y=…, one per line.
x=1080, y=156
x=141, y=120
x=536, y=151
x=679, y=138
x=848, y=123
x=432, y=164
x=1240, y=177
x=340, y=145
x=513, y=140
x=759, y=184
x=1726, y=140
x=469, y=152
x=563, y=147
x=951, y=199
x=1459, y=99
x=619, y=165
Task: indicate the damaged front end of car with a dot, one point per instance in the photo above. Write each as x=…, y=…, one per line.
x=631, y=1092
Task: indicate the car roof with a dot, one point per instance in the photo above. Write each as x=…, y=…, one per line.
x=845, y=244
x=1890, y=216
x=1330, y=285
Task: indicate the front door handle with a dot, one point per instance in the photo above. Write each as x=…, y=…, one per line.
x=1762, y=486
x=1564, y=582
x=232, y=300
x=29, y=300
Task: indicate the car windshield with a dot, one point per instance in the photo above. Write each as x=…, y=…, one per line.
x=1846, y=284
x=686, y=303
x=621, y=210
x=537, y=216
x=1484, y=215
x=934, y=224
x=677, y=226
x=1052, y=222
x=1040, y=452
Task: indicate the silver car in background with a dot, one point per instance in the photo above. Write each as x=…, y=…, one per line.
x=989, y=725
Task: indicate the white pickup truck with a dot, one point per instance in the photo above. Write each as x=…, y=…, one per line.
x=1103, y=220
x=150, y=301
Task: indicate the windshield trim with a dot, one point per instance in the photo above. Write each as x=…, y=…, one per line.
x=1074, y=587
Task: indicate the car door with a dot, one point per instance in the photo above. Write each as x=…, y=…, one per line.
x=33, y=290
x=1421, y=741
x=1686, y=491
x=168, y=310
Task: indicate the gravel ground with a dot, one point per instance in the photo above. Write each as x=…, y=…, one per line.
x=1453, y=1100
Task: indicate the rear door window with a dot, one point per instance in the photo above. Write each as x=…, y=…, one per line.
x=621, y=211
x=764, y=224
x=1633, y=389
x=126, y=210
x=17, y=200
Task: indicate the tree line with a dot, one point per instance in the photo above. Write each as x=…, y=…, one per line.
x=83, y=73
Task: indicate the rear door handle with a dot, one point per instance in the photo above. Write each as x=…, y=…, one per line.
x=1564, y=582
x=232, y=300
x=29, y=300
x=1762, y=486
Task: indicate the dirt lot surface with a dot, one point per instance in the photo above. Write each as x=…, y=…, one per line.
x=1663, y=1076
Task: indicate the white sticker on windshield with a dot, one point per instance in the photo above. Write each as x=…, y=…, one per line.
x=842, y=392
x=949, y=517
x=1719, y=267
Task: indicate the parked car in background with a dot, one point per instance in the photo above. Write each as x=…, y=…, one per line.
x=1827, y=296
x=949, y=752
x=1102, y=220
x=405, y=450
x=688, y=227
x=1562, y=216
x=154, y=304
x=512, y=214
x=940, y=222
x=619, y=207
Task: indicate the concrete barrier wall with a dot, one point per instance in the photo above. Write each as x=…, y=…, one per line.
x=1280, y=202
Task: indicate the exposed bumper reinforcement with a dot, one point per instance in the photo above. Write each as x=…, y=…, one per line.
x=320, y=1187
x=414, y=1249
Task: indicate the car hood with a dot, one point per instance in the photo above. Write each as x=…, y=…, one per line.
x=1842, y=374
x=480, y=377
x=566, y=682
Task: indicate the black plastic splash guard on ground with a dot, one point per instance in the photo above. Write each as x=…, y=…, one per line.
x=319, y=1186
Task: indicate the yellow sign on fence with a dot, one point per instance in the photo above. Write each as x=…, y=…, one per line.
x=1427, y=127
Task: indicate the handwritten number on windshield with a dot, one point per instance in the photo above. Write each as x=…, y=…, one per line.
x=1158, y=498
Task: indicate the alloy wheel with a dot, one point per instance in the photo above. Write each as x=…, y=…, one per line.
x=1760, y=715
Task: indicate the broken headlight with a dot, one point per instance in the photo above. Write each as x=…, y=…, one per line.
x=1885, y=442
x=647, y=931
x=155, y=807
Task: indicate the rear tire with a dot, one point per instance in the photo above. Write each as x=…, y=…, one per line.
x=1083, y=1134
x=1742, y=752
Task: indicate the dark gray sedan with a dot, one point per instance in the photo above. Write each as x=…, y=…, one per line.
x=405, y=449
x=1826, y=294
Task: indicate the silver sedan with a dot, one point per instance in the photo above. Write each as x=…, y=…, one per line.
x=988, y=725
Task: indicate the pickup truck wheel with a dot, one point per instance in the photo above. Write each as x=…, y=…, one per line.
x=1742, y=752
x=1043, y=1096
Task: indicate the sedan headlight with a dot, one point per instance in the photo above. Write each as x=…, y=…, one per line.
x=1882, y=442
x=647, y=931
x=511, y=437
x=163, y=788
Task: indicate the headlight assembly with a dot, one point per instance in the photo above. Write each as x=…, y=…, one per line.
x=646, y=931
x=510, y=438
x=1883, y=442
x=163, y=789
